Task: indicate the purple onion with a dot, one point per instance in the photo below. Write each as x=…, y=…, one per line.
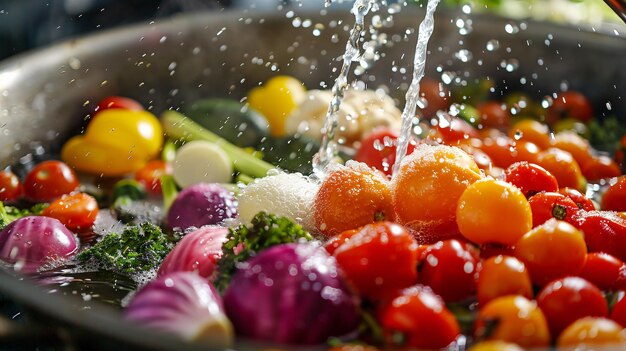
x=31, y=242
x=291, y=294
x=184, y=304
x=201, y=204
x=197, y=252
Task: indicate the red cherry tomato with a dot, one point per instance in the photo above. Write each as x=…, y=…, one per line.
x=436, y=95
x=334, y=242
x=570, y=104
x=552, y=205
x=565, y=300
x=450, y=269
x=379, y=259
x=614, y=199
x=581, y=200
x=494, y=114
x=10, y=186
x=530, y=178
x=421, y=319
x=150, y=175
x=75, y=211
x=118, y=102
x=601, y=269
x=378, y=149
x=453, y=129
x=49, y=180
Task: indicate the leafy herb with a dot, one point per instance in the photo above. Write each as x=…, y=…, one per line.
x=605, y=133
x=9, y=214
x=266, y=231
x=138, y=248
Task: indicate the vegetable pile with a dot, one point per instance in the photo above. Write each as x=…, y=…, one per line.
x=488, y=235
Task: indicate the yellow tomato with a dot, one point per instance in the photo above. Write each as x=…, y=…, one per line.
x=493, y=211
x=139, y=130
x=514, y=319
x=276, y=99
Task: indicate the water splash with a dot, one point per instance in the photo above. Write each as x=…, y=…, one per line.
x=412, y=94
x=328, y=147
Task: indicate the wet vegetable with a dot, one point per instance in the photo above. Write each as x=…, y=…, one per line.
x=299, y=297
x=276, y=99
x=117, y=142
x=75, y=211
x=179, y=127
x=201, y=204
x=231, y=120
x=291, y=153
x=32, y=242
x=184, y=304
x=125, y=192
x=49, y=180
x=201, y=161
x=283, y=194
x=9, y=214
x=197, y=252
x=10, y=186
x=138, y=248
x=243, y=242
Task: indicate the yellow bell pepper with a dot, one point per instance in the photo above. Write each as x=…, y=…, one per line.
x=117, y=141
x=276, y=99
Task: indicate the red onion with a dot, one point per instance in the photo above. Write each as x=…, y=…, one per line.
x=197, y=252
x=291, y=294
x=184, y=304
x=34, y=241
x=201, y=204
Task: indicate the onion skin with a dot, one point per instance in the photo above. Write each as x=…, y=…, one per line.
x=291, y=294
x=184, y=304
x=201, y=204
x=197, y=252
x=34, y=241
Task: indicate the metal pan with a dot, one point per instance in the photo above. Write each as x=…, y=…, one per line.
x=46, y=95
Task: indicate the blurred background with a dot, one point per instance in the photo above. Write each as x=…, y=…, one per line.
x=26, y=24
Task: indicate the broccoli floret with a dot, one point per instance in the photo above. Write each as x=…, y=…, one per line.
x=138, y=248
x=266, y=231
x=9, y=214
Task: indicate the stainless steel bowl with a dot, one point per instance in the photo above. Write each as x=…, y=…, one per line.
x=46, y=95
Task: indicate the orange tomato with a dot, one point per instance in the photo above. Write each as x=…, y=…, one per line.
x=495, y=345
x=552, y=250
x=590, y=331
x=563, y=167
x=576, y=145
x=427, y=188
x=501, y=276
x=493, y=211
x=533, y=131
x=351, y=197
x=505, y=151
x=514, y=319
x=75, y=211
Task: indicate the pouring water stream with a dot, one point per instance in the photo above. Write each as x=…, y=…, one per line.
x=328, y=147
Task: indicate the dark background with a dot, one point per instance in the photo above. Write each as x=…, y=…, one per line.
x=25, y=24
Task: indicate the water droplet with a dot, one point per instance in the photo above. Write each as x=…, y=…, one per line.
x=492, y=45
x=511, y=28
x=163, y=39
x=74, y=63
x=463, y=55
x=510, y=65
